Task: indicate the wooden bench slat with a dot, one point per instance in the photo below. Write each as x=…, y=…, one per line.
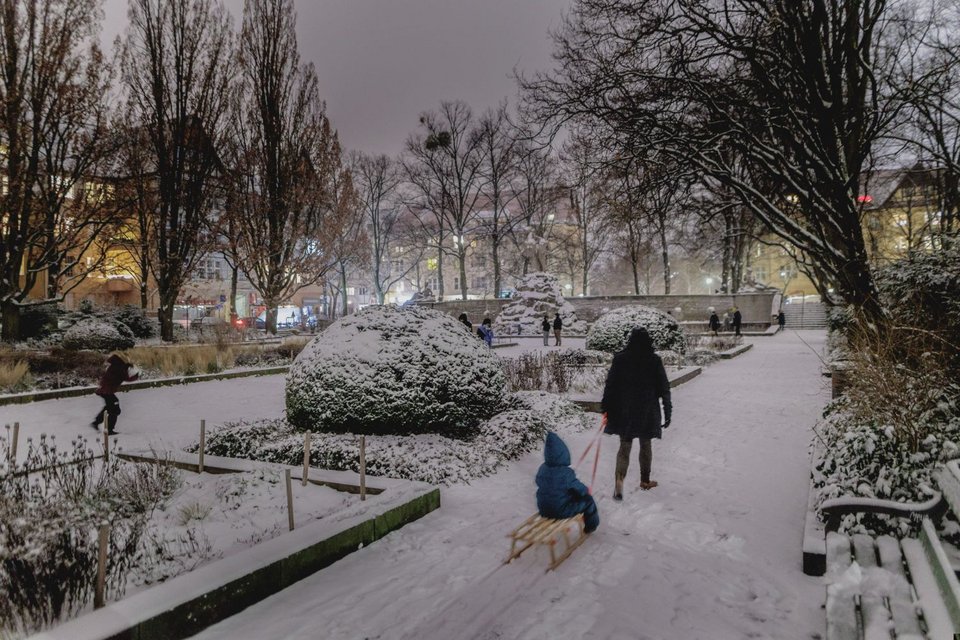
x=873, y=609
x=935, y=613
x=903, y=609
x=942, y=570
x=841, y=604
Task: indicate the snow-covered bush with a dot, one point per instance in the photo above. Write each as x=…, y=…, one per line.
x=98, y=335
x=609, y=333
x=871, y=459
x=48, y=519
x=537, y=295
x=136, y=319
x=432, y=458
x=394, y=370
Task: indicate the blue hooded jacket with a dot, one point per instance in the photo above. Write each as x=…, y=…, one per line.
x=559, y=493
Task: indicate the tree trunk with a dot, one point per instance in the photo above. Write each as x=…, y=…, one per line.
x=271, y=319
x=635, y=265
x=165, y=315
x=462, y=259
x=234, y=278
x=343, y=291
x=526, y=265
x=144, y=297
x=53, y=280
x=665, y=256
x=496, y=268
x=10, y=312
x=440, y=272
x=727, y=254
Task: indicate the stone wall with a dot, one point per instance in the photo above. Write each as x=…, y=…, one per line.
x=757, y=308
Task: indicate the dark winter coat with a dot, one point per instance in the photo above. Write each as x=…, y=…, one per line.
x=118, y=372
x=781, y=319
x=636, y=384
x=737, y=318
x=559, y=493
x=714, y=321
x=557, y=324
x=545, y=325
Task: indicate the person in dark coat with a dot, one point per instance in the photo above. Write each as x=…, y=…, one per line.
x=714, y=322
x=117, y=372
x=545, y=327
x=557, y=329
x=737, y=320
x=559, y=493
x=781, y=319
x=636, y=385
x=463, y=318
x=485, y=332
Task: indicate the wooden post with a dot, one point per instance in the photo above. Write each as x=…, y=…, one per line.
x=363, y=467
x=203, y=444
x=106, y=436
x=306, y=457
x=13, y=443
x=98, y=594
x=286, y=473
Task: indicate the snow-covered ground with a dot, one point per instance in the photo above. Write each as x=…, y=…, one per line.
x=713, y=552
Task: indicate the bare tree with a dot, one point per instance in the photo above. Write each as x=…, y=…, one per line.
x=54, y=146
x=797, y=88
x=392, y=255
x=586, y=185
x=350, y=249
x=176, y=63
x=538, y=195
x=499, y=146
x=443, y=166
x=283, y=151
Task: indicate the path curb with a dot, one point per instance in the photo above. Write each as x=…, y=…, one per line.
x=76, y=392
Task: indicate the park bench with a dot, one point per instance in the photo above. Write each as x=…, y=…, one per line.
x=539, y=531
x=900, y=588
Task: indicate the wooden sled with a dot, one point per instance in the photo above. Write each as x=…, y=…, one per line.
x=537, y=530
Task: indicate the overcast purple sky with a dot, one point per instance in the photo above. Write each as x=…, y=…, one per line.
x=382, y=62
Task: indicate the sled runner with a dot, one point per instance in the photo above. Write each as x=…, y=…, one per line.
x=537, y=530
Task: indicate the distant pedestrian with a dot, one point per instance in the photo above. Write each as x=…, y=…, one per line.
x=486, y=331
x=714, y=322
x=559, y=493
x=781, y=319
x=726, y=322
x=117, y=372
x=557, y=329
x=636, y=385
x=737, y=320
x=545, y=327
x=469, y=325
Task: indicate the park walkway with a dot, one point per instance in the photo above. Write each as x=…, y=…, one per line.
x=713, y=553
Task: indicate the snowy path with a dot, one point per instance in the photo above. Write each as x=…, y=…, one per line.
x=714, y=552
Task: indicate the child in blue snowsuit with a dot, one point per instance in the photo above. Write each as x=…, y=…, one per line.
x=559, y=493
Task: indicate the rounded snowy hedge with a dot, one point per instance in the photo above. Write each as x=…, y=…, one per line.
x=394, y=370
x=609, y=333
x=98, y=335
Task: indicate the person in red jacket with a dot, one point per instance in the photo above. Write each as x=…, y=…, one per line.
x=117, y=372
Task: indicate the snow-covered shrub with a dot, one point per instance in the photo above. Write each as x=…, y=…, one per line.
x=38, y=320
x=432, y=458
x=98, y=335
x=136, y=319
x=537, y=295
x=394, y=370
x=870, y=459
x=48, y=520
x=609, y=333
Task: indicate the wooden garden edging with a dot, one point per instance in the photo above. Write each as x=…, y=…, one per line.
x=185, y=605
x=76, y=392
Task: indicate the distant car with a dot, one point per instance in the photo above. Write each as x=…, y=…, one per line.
x=249, y=322
x=206, y=322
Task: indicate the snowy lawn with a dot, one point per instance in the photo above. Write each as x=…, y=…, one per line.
x=714, y=552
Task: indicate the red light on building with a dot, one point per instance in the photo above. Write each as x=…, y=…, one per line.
x=865, y=199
